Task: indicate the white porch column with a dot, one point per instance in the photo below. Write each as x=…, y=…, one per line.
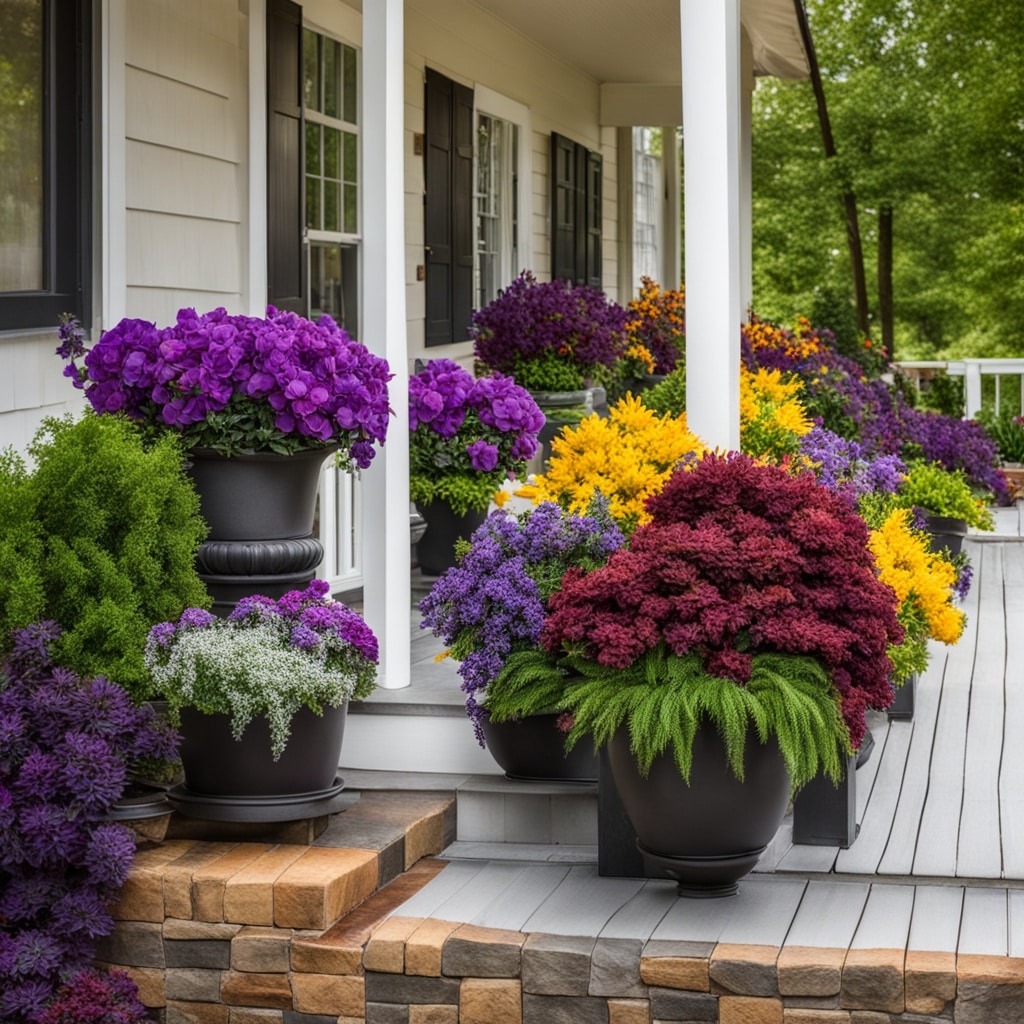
x=711, y=140
x=747, y=83
x=386, y=566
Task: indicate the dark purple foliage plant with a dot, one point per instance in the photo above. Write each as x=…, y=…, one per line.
x=66, y=744
x=96, y=997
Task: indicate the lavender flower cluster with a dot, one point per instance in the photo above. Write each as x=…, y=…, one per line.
x=492, y=421
x=494, y=601
x=529, y=319
x=266, y=658
x=279, y=383
x=841, y=465
x=65, y=745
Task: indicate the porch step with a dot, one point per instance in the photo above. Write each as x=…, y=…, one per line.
x=492, y=810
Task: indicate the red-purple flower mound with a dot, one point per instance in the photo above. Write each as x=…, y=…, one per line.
x=740, y=559
x=96, y=997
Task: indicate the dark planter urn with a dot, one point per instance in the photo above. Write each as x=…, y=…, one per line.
x=565, y=408
x=947, y=533
x=902, y=707
x=260, y=509
x=706, y=835
x=238, y=780
x=435, y=551
x=533, y=749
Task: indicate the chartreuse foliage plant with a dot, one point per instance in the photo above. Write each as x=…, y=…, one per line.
x=100, y=537
x=943, y=492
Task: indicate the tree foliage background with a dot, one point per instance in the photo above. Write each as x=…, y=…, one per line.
x=926, y=100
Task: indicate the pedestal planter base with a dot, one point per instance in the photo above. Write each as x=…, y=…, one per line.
x=147, y=814
x=291, y=807
x=705, y=878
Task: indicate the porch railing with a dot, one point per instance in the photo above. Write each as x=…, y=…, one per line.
x=341, y=524
x=976, y=374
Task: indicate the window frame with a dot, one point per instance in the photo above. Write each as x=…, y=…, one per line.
x=67, y=174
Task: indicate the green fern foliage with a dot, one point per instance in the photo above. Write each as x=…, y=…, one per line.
x=531, y=683
x=662, y=699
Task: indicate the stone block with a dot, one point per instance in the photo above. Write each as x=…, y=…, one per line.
x=556, y=965
x=249, y=893
x=148, y=980
x=214, y=954
x=990, y=989
x=564, y=1010
x=433, y=1015
x=744, y=970
x=192, y=984
x=425, y=945
x=385, y=951
x=873, y=1017
x=810, y=971
x=472, y=952
x=178, y=876
x=615, y=969
x=690, y=973
x=201, y=931
x=266, y=991
x=929, y=981
x=133, y=944
x=749, y=1010
x=401, y=988
x=210, y=880
x=195, y=1013
x=315, y=890
x=873, y=980
x=629, y=1011
x=340, y=995
x=424, y=838
x=386, y=1013
x=321, y=956
x=791, y=1015
x=142, y=896
x=673, y=1004
x=243, y=1015
x=261, y=950
x=490, y=1001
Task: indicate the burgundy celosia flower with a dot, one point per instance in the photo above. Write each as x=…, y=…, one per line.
x=740, y=559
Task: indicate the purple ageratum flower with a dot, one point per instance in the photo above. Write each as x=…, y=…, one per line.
x=842, y=466
x=494, y=601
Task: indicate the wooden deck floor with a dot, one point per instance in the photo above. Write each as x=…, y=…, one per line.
x=939, y=861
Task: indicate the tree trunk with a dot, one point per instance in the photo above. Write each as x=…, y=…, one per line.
x=885, y=277
x=860, y=287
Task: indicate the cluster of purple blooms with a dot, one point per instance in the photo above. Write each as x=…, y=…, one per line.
x=65, y=747
x=459, y=422
x=494, y=602
x=96, y=997
x=310, y=620
x=529, y=319
x=281, y=375
x=841, y=465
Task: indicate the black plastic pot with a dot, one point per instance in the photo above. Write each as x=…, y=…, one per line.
x=709, y=834
x=435, y=551
x=533, y=748
x=947, y=533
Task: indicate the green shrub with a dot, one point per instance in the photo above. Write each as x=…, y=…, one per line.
x=1007, y=430
x=101, y=537
x=668, y=396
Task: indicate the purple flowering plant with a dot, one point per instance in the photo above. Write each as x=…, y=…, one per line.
x=491, y=606
x=467, y=435
x=93, y=996
x=267, y=658
x=278, y=383
x=841, y=465
x=66, y=746
x=550, y=336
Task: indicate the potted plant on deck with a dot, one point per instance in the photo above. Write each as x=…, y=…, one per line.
x=467, y=437
x=560, y=341
x=261, y=697
x=259, y=403
x=491, y=608
x=726, y=656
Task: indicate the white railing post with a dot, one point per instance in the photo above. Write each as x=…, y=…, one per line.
x=972, y=388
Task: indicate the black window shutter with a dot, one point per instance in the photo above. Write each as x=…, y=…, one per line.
x=448, y=208
x=286, y=262
x=575, y=212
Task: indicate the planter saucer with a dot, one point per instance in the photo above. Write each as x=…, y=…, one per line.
x=705, y=878
x=288, y=807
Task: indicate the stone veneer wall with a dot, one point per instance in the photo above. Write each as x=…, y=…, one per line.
x=218, y=933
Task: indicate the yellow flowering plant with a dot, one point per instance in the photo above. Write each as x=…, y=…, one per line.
x=772, y=415
x=923, y=582
x=627, y=457
x=657, y=320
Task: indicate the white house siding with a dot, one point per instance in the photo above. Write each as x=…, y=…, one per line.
x=186, y=137
x=470, y=46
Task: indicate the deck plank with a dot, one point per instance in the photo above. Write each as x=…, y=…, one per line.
x=527, y=891
x=765, y=911
x=1015, y=922
x=866, y=774
x=583, y=903
x=1011, y=775
x=898, y=858
x=885, y=922
x=444, y=886
x=983, y=926
x=479, y=891
x=979, y=853
x=828, y=914
x=638, y=918
x=935, y=924
x=701, y=920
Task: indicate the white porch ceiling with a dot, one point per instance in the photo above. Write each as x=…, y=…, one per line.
x=637, y=41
